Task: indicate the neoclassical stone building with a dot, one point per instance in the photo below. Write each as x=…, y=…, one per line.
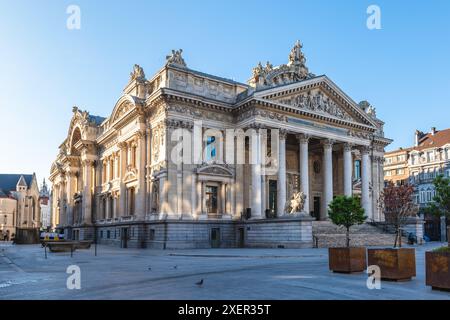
x=124, y=179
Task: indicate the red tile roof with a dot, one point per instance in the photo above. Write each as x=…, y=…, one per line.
x=439, y=139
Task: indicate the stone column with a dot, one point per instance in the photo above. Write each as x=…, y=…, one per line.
x=140, y=194
x=348, y=169
x=69, y=197
x=327, y=176
x=199, y=202
x=304, y=168
x=194, y=195
x=281, y=181
x=223, y=198
x=123, y=192
x=365, y=182
x=256, y=175
x=62, y=213
x=87, y=194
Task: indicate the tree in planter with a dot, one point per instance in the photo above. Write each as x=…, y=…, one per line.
x=441, y=201
x=398, y=205
x=346, y=211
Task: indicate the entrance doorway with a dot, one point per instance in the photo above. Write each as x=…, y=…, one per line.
x=316, y=212
x=272, y=198
x=211, y=199
x=124, y=237
x=241, y=238
x=215, y=238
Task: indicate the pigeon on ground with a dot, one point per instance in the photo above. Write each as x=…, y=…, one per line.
x=149, y=268
x=175, y=267
x=200, y=283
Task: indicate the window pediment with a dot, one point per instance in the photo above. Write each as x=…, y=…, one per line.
x=216, y=170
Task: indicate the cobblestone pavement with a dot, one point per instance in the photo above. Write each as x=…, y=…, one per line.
x=228, y=274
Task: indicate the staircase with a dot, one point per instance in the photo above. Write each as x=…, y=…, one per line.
x=326, y=234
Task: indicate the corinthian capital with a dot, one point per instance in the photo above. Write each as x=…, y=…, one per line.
x=303, y=137
x=327, y=143
x=365, y=149
x=122, y=145
x=283, y=134
x=348, y=147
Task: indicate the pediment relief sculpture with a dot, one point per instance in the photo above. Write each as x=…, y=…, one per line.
x=317, y=102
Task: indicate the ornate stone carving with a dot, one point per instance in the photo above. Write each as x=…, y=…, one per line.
x=296, y=203
x=368, y=108
x=317, y=102
x=348, y=147
x=213, y=168
x=295, y=70
x=283, y=134
x=303, y=138
x=359, y=134
x=327, y=143
x=176, y=59
x=137, y=74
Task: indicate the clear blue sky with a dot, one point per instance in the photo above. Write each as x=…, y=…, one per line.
x=402, y=69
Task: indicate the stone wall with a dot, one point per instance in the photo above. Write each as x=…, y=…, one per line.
x=278, y=233
x=175, y=234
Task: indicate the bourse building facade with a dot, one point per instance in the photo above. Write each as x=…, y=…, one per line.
x=115, y=179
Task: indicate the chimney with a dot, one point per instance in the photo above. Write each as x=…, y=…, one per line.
x=433, y=131
x=417, y=138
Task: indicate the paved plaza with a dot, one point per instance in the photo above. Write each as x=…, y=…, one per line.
x=228, y=274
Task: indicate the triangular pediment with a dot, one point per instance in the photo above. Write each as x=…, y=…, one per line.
x=319, y=96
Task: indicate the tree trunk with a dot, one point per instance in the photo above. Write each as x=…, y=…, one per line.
x=347, y=235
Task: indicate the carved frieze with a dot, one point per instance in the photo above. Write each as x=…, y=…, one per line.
x=317, y=102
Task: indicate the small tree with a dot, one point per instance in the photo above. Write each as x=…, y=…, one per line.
x=398, y=205
x=346, y=211
x=441, y=201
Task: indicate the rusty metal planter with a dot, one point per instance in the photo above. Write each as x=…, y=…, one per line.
x=347, y=260
x=395, y=264
x=437, y=267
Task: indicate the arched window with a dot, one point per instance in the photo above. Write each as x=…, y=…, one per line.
x=211, y=150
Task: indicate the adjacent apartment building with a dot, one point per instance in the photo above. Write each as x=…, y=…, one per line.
x=419, y=165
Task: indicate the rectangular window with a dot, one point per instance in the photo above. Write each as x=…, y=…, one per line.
x=151, y=234
x=131, y=201
x=108, y=234
x=358, y=170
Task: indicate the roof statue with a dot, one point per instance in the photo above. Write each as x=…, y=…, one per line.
x=138, y=73
x=175, y=58
x=269, y=76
